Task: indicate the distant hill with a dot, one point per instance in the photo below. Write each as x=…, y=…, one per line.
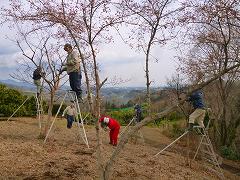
x=118, y=95
x=24, y=86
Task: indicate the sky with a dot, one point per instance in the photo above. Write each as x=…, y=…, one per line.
x=116, y=60
x=121, y=61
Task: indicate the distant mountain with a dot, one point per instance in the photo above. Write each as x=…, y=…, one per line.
x=18, y=85
x=121, y=95
x=118, y=95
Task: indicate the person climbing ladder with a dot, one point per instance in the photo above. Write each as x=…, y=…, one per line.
x=37, y=75
x=72, y=66
x=196, y=99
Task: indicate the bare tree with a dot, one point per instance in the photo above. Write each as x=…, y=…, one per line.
x=47, y=56
x=86, y=23
x=213, y=37
x=151, y=22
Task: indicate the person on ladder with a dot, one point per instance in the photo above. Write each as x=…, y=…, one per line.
x=70, y=113
x=72, y=67
x=37, y=75
x=114, y=127
x=196, y=99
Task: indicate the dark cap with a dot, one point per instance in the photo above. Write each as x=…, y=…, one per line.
x=67, y=45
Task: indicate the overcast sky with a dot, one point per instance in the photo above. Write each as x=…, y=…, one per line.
x=116, y=60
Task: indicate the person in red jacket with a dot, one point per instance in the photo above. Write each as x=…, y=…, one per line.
x=114, y=127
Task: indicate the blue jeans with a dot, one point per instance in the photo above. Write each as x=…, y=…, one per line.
x=75, y=82
x=70, y=120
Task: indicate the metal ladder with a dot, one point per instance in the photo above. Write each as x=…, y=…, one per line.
x=73, y=97
x=206, y=147
x=39, y=109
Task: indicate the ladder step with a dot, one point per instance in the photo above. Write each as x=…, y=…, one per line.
x=207, y=152
x=206, y=144
x=211, y=161
x=218, y=173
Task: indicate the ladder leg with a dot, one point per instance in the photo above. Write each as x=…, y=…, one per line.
x=39, y=109
x=84, y=136
x=198, y=148
x=205, y=140
x=54, y=119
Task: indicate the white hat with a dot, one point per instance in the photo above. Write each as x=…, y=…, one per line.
x=106, y=120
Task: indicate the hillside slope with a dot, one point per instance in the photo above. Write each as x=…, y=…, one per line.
x=23, y=155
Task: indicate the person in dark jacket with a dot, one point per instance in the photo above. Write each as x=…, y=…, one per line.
x=114, y=127
x=37, y=75
x=138, y=112
x=196, y=99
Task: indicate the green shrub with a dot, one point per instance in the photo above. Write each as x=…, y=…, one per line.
x=229, y=153
x=177, y=130
x=174, y=116
x=123, y=117
x=56, y=107
x=11, y=100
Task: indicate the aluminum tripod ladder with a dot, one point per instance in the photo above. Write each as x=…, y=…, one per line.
x=39, y=109
x=73, y=97
x=206, y=147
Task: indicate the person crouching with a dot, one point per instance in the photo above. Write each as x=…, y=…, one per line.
x=114, y=127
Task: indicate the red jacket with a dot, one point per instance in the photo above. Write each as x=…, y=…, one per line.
x=112, y=124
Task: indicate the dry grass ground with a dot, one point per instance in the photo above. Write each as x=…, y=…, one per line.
x=65, y=156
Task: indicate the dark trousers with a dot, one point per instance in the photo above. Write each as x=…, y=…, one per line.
x=138, y=116
x=75, y=82
x=70, y=120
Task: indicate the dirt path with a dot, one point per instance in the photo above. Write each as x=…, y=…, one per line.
x=23, y=155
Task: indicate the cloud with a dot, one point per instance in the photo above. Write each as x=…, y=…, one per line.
x=118, y=60
x=6, y=71
x=6, y=49
x=10, y=60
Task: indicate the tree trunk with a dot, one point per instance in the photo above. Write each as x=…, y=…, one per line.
x=223, y=124
x=148, y=96
x=97, y=114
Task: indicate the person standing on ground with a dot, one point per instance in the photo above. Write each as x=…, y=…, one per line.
x=196, y=99
x=138, y=112
x=37, y=75
x=72, y=67
x=70, y=113
x=114, y=127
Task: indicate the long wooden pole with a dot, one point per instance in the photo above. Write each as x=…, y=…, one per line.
x=18, y=108
x=172, y=143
